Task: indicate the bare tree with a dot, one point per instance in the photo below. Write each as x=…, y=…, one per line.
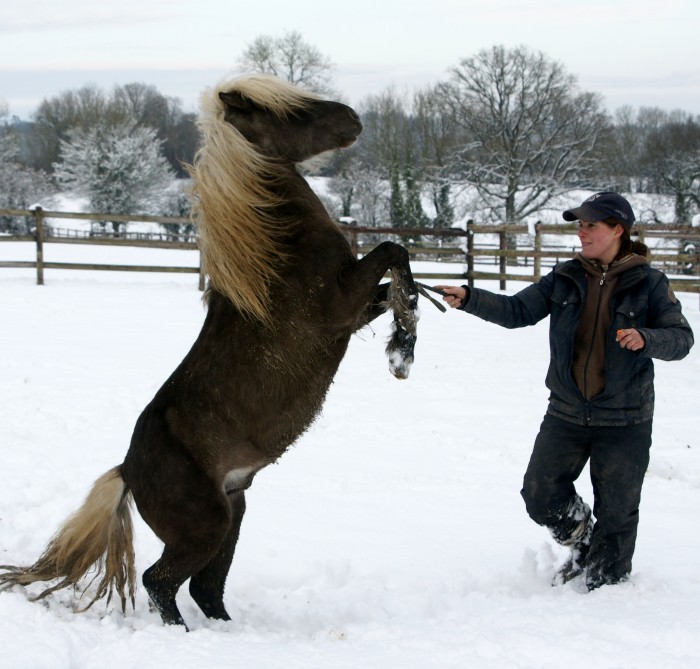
x=385, y=120
x=528, y=134
x=372, y=203
x=624, y=151
x=20, y=187
x=291, y=58
x=392, y=146
x=437, y=138
x=90, y=107
x=648, y=122
x=672, y=159
x=56, y=117
x=362, y=196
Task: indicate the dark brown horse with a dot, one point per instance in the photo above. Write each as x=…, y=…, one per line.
x=285, y=294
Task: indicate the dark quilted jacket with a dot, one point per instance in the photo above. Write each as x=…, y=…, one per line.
x=642, y=299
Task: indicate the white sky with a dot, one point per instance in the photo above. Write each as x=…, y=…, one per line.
x=637, y=52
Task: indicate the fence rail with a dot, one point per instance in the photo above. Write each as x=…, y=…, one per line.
x=41, y=233
x=517, y=252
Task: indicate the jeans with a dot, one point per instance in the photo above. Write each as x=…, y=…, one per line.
x=619, y=457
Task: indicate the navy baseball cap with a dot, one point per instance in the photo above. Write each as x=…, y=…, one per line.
x=601, y=206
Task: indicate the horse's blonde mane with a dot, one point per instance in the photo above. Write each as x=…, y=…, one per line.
x=233, y=204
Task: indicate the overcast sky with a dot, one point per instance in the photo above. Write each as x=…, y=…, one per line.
x=636, y=52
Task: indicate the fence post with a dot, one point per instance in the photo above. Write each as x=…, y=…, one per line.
x=202, y=275
x=537, y=260
x=470, y=253
x=39, y=236
x=353, y=240
x=503, y=246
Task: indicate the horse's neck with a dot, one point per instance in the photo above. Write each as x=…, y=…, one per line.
x=294, y=181
x=299, y=193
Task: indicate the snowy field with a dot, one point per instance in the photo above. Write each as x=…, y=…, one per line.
x=392, y=535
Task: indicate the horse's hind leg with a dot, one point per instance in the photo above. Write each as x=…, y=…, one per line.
x=207, y=585
x=193, y=526
x=162, y=580
x=182, y=559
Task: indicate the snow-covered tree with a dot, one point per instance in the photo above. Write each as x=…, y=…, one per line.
x=362, y=195
x=178, y=202
x=372, y=200
x=20, y=187
x=120, y=169
x=90, y=106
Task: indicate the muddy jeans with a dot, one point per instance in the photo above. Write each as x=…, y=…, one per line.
x=619, y=457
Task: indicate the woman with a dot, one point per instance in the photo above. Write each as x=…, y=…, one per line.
x=610, y=314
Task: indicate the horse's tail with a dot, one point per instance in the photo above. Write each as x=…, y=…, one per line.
x=99, y=535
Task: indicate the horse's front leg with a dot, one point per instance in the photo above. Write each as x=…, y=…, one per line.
x=401, y=296
x=403, y=301
x=378, y=304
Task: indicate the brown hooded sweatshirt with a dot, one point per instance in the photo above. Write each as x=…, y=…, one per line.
x=588, y=366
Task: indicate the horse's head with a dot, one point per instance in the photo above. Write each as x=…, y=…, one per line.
x=286, y=123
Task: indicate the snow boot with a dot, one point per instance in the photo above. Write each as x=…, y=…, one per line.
x=580, y=543
x=597, y=577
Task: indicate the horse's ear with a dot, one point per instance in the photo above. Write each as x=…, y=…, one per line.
x=236, y=102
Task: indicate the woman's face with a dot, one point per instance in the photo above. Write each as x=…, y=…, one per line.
x=599, y=241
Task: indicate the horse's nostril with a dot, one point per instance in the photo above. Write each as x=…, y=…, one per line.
x=354, y=117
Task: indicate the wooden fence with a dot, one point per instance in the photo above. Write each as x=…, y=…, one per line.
x=42, y=234
x=516, y=252
x=521, y=254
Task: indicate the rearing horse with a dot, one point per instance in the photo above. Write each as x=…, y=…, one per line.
x=285, y=295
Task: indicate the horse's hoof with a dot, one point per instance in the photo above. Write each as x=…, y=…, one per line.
x=401, y=370
x=400, y=352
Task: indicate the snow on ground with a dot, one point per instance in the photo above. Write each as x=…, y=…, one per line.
x=391, y=535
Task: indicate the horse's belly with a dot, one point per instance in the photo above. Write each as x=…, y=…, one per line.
x=237, y=480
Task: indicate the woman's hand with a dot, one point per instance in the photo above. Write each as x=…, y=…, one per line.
x=630, y=339
x=454, y=295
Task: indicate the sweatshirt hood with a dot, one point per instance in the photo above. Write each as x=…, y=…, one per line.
x=615, y=267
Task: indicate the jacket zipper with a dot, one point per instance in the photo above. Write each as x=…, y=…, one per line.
x=590, y=348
